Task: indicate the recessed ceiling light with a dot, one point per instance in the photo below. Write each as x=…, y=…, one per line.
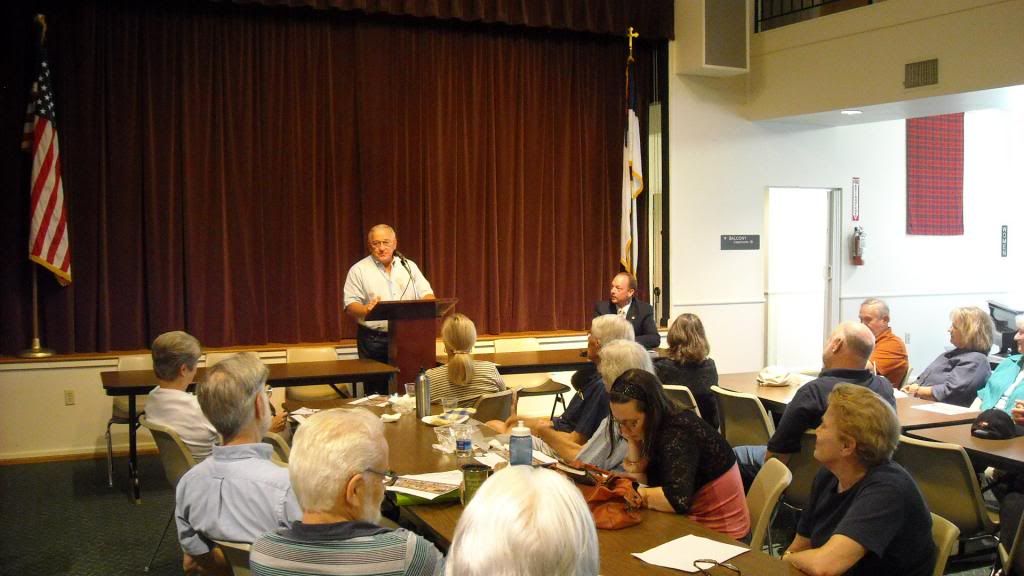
x=850, y=112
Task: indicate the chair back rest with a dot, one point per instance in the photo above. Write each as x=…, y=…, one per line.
x=516, y=344
x=495, y=406
x=237, y=555
x=306, y=354
x=946, y=478
x=174, y=454
x=944, y=534
x=906, y=377
x=804, y=468
x=281, y=448
x=744, y=420
x=683, y=396
x=1013, y=565
x=763, y=496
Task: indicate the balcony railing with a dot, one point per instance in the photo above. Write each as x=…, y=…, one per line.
x=770, y=14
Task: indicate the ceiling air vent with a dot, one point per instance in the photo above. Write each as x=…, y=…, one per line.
x=923, y=73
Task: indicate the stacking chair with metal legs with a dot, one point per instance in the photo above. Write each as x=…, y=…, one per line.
x=944, y=534
x=683, y=396
x=176, y=459
x=763, y=497
x=237, y=555
x=119, y=406
x=804, y=468
x=495, y=406
x=950, y=487
x=744, y=420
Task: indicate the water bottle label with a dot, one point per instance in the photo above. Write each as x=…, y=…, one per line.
x=464, y=444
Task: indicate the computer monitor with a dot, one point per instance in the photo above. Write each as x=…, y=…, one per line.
x=1005, y=319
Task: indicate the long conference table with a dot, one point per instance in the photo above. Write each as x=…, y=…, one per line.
x=776, y=398
x=410, y=452
x=131, y=383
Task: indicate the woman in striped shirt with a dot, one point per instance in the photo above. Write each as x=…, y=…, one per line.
x=462, y=377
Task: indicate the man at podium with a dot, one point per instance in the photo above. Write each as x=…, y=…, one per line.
x=377, y=278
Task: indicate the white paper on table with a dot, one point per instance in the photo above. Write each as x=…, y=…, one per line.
x=452, y=478
x=562, y=377
x=298, y=418
x=680, y=553
x=900, y=394
x=543, y=458
x=364, y=399
x=303, y=412
x=490, y=459
x=943, y=408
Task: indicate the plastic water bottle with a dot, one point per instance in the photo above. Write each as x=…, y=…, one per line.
x=422, y=394
x=520, y=446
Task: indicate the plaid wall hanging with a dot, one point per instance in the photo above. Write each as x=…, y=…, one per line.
x=935, y=175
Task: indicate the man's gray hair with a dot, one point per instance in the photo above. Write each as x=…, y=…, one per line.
x=171, y=350
x=608, y=327
x=878, y=304
x=383, y=227
x=525, y=521
x=618, y=356
x=228, y=393
x=328, y=450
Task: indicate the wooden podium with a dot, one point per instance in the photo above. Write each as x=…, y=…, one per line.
x=412, y=330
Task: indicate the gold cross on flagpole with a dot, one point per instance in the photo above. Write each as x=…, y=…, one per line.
x=630, y=35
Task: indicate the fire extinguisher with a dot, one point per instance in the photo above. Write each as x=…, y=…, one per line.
x=858, y=240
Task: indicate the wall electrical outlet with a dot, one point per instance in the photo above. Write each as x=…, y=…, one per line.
x=906, y=337
x=69, y=397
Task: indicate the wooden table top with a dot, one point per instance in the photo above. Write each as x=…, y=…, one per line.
x=533, y=360
x=776, y=398
x=123, y=383
x=1006, y=454
x=411, y=453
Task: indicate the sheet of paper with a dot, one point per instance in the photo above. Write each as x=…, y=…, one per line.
x=428, y=486
x=899, y=394
x=490, y=459
x=942, y=408
x=298, y=418
x=376, y=400
x=680, y=553
x=563, y=377
x=542, y=458
x=304, y=412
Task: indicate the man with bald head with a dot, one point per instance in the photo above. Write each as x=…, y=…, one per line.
x=377, y=278
x=844, y=359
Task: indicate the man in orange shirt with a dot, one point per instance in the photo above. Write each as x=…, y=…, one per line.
x=890, y=355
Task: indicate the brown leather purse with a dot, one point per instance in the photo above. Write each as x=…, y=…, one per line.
x=613, y=501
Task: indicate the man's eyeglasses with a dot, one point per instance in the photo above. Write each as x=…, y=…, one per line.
x=388, y=476
x=703, y=566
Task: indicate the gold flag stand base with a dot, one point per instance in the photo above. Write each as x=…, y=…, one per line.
x=36, y=351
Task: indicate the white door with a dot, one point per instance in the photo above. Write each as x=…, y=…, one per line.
x=800, y=301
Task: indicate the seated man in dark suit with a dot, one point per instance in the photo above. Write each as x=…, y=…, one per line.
x=640, y=314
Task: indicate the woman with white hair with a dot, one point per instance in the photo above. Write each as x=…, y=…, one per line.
x=956, y=376
x=865, y=514
x=525, y=521
x=462, y=377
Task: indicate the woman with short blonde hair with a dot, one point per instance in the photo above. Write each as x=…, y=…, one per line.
x=462, y=377
x=865, y=514
x=955, y=377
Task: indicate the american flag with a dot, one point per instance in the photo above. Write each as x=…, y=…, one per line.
x=632, y=176
x=48, y=240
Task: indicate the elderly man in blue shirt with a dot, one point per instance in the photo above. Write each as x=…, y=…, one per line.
x=237, y=494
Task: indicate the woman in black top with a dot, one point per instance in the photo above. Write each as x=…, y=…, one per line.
x=687, y=364
x=687, y=466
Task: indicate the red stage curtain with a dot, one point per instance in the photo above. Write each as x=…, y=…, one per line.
x=223, y=163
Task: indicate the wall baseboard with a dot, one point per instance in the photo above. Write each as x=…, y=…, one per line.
x=66, y=456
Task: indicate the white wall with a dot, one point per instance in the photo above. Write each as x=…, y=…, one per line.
x=721, y=165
